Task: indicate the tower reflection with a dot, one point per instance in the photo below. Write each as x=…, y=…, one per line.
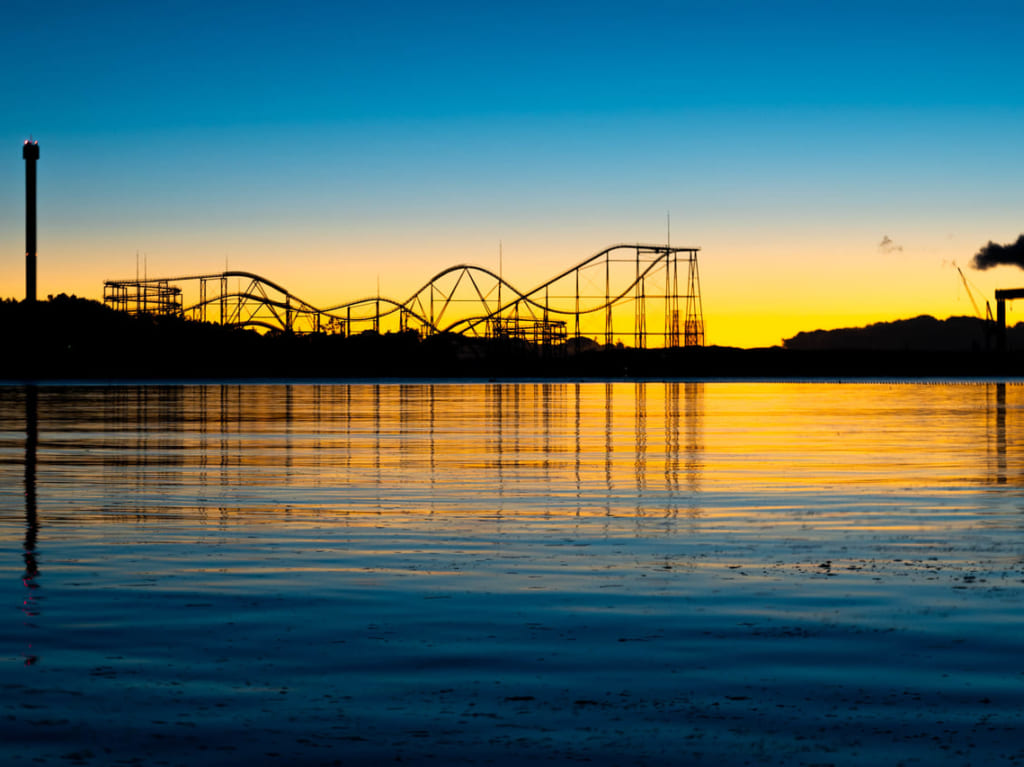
x=693, y=396
x=683, y=446
x=640, y=439
x=1001, y=433
x=30, y=606
x=609, y=443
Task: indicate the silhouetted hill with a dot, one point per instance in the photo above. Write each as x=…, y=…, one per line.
x=75, y=337
x=924, y=333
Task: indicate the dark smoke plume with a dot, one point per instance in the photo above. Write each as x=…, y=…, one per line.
x=994, y=254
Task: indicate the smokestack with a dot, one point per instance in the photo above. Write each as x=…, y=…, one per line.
x=31, y=153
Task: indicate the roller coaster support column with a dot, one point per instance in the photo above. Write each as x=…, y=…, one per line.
x=608, y=336
x=693, y=328
x=577, y=315
x=223, y=300
x=640, y=313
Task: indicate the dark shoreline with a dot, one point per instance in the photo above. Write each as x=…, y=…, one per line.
x=76, y=339
x=628, y=364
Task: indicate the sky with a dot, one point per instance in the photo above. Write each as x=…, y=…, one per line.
x=834, y=161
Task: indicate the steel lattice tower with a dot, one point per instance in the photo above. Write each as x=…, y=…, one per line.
x=693, y=327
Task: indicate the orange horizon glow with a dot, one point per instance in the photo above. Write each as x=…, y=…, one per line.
x=747, y=303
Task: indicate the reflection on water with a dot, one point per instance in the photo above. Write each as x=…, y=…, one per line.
x=131, y=449
x=379, y=569
x=733, y=455
x=30, y=606
x=1000, y=412
x=620, y=448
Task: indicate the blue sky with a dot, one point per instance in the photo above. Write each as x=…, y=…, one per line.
x=137, y=66
x=326, y=144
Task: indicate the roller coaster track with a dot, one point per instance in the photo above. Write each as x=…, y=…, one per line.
x=609, y=297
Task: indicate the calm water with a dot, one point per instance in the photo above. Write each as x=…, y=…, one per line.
x=622, y=573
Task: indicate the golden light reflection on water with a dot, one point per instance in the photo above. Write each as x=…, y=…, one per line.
x=639, y=449
x=702, y=547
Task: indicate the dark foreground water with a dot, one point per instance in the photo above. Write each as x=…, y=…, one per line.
x=659, y=573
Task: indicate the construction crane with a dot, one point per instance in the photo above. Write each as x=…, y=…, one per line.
x=970, y=295
x=988, y=324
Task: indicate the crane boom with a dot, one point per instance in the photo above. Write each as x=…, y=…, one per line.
x=970, y=295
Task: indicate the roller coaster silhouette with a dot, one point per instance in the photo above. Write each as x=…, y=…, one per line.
x=623, y=294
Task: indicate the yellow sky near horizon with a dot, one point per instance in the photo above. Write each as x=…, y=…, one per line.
x=750, y=299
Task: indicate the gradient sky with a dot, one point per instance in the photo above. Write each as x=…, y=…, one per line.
x=324, y=145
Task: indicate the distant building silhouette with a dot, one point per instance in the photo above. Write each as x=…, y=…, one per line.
x=30, y=152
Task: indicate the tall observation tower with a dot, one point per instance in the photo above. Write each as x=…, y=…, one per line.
x=31, y=153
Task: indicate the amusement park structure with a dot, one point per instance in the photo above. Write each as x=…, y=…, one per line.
x=632, y=294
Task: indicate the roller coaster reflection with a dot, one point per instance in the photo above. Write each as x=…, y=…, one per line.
x=625, y=293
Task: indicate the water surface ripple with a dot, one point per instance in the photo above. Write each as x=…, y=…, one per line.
x=619, y=573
